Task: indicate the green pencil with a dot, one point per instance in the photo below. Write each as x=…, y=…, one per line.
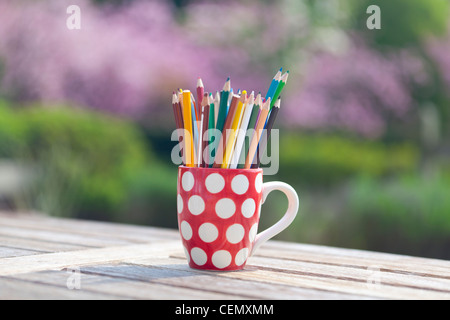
x=280, y=87
x=222, y=115
x=212, y=116
x=223, y=105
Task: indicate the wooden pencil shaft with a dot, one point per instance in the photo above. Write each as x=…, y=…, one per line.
x=242, y=132
x=200, y=90
x=212, y=114
x=175, y=107
x=223, y=108
x=195, y=126
x=263, y=142
x=216, y=108
x=188, y=137
x=218, y=160
x=205, y=137
x=180, y=114
x=257, y=135
x=234, y=127
x=200, y=142
x=251, y=125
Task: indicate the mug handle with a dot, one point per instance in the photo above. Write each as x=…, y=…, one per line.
x=286, y=220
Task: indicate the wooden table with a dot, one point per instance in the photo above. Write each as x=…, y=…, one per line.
x=50, y=258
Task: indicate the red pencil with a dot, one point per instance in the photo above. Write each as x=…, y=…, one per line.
x=200, y=91
x=176, y=106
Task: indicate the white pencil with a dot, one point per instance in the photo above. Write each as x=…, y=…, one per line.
x=242, y=132
x=216, y=108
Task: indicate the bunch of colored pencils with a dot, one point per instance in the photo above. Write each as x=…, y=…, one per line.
x=214, y=128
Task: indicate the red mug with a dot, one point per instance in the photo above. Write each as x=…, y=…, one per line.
x=218, y=215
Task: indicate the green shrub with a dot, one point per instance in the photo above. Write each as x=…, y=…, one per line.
x=409, y=214
x=152, y=192
x=404, y=22
x=81, y=161
x=404, y=215
x=319, y=160
x=11, y=132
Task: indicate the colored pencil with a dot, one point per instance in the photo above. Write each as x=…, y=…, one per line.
x=176, y=114
x=195, y=126
x=263, y=142
x=204, y=137
x=280, y=87
x=234, y=115
x=178, y=121
x=180, y=97
x=251, y=126
x=257, y=135
x=231, y=140
x=212, y=112
x=216, y=108
x=242, y=131
x=223, y=108
x=273, y=85
x=200, y=90
x=200, y=142
x=218, y=160
x=188, y=137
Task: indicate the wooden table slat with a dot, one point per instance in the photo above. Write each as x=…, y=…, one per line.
x=40, y=254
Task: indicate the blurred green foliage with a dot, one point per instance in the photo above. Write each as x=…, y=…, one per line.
x=413, y=205
x=152, y=192
x=329, y=159
x=404, y=22
x=363, y=194
x=409, y=214
x=80, y=162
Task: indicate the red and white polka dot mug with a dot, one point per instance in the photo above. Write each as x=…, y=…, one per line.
x=218, y=215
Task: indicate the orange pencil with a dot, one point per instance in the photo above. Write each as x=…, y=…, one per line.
x=257, y=135
x=234, y=129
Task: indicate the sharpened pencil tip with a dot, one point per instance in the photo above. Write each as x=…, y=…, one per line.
x=277, y=103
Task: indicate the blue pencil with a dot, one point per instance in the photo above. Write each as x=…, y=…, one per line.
x=273, y=85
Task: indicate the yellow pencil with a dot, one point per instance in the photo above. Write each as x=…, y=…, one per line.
x=257, y=135
x=188, y=136
x=234, y=127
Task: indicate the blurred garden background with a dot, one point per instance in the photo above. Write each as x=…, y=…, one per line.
x=86, y=115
